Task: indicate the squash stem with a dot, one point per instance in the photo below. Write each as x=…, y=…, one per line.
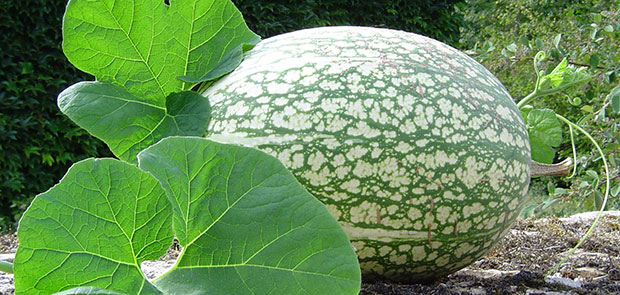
x=559, y=169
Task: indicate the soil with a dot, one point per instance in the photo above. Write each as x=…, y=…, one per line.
x=517, y=265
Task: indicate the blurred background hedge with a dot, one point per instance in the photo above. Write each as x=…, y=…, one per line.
x=437, y=19
x=38, y=144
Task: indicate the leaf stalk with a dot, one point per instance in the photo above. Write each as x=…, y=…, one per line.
x=6, y=267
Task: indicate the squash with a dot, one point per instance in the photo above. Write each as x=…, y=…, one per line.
x=417, y=149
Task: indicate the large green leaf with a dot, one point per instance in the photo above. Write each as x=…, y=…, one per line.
x=94, y=228
x=128, y=124
x=88, y=291
x=145, y=45
x=545, y=132
x=247, y=226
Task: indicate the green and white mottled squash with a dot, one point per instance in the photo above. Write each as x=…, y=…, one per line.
x=414, y=147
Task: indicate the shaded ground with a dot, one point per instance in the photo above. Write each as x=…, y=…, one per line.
x=515, y=266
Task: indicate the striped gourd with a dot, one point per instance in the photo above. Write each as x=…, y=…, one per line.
x=414, y=147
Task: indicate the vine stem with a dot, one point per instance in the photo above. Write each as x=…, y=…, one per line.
x=572, y=143
x=543, y=92
x=600, y=212
x=6, y=267
x=528, y=98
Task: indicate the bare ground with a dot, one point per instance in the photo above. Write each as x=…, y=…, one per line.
x=515, y=266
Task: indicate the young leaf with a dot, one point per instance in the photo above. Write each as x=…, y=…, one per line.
x=545, y=132
x=246, y=225
x=128, y=124
x=144, y=46
x=94, y=228
x=614, y=98
x=555, y=78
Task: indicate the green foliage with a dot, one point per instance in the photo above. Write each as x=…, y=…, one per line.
x=245, y=225
x=128, y=124
x=141, y=94
x=37, y=143
x=146, y=52
x=578, y=38
x=432, y=18
x=128, y=218
x=545, y=133
x=260, y=229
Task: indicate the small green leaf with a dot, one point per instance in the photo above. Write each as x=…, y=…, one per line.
x=525, y=110
x=512, y=47
x=598, y=200
x=587, y=109
x=144, y=46
x=594, y=60
x=539, y=44
x=556, y=41
x=615, y=190
x=608, y=28
x=27, y=68
x=594, y=33
x=555, y=78
x=541, y=152
x=128, y=124
x=565, y=76
x=528, y=211
x=246, y=225
x=594, y=178
x=551, y=188
x=549, y=203
x=614, y=98
x=545, y=132
x=94, y=228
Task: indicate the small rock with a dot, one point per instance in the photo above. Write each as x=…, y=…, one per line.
x=589, y=273
x=6, y=284
x=486, y=274
x=542, y=292
x=7, y=257
x=154, y=269
x=587, y=217
x=563, y=281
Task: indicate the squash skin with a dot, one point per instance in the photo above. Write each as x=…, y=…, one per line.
x=416, y=149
